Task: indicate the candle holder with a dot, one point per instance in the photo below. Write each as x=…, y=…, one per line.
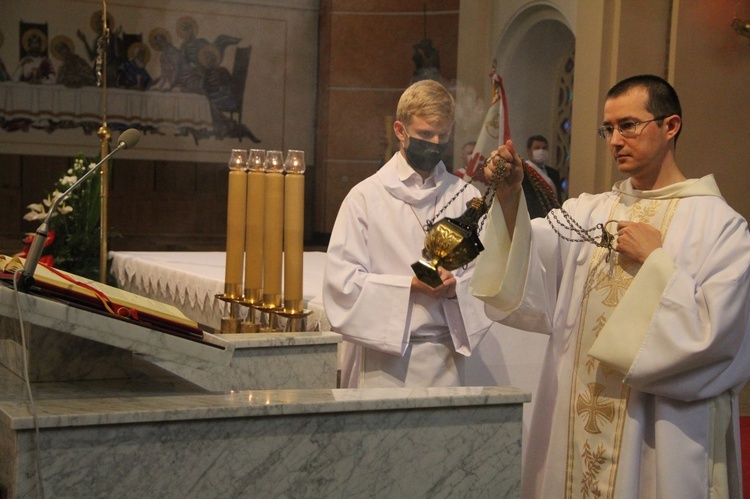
x=295, y=316
x=256, y=160
x=251, y=299
x=295, y=162
x=269, y=311
x=232, y=324
x=238, y=159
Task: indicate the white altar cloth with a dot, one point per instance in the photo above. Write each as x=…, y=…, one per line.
x=190, y=280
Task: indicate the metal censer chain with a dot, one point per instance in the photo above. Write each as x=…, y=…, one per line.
x=550, y=204
x=488, y=194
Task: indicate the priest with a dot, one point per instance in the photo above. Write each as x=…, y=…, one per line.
x=644, y=292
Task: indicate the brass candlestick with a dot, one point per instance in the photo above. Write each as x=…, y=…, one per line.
x=251, y=299
x=232, y=323
x=269, y=310
x=295, y=315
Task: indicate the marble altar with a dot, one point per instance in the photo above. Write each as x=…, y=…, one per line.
x=135, y=429
x=267, y=360
x=155, y=435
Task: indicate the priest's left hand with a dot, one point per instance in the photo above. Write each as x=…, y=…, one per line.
x=637, y=240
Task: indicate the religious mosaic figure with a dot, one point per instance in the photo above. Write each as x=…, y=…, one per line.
x=133, y=73
x=34, y=66
x=74, y=71
x=4, y=75
x=218, y=87
x=171, y=60
x=191, y=74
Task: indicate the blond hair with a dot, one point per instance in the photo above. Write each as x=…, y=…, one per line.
x=427, y=99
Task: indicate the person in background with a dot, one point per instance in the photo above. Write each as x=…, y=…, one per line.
x=541, y=183
x=399, y=331
x=649, y=344
x=467, y=150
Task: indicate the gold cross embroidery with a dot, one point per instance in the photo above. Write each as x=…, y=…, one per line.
x=617, y=286
x=590, y=405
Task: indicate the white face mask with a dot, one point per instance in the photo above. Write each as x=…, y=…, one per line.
x=539, y=156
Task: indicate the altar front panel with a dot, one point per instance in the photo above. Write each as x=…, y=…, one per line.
x=157, y=437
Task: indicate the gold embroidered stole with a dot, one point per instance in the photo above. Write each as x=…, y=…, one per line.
x=598, y=398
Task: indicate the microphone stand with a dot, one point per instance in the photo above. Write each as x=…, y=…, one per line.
x=26, y=279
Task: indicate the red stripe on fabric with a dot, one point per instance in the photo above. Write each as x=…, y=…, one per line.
x=506, y=121
x=121, y=311
x=745, y=456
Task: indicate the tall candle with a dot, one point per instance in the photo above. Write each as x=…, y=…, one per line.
x=273, y=230
x=236, y=200
x=254, y=218
x=294, y=225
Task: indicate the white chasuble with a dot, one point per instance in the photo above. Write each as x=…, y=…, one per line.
x=599, y=398
x=638, y=395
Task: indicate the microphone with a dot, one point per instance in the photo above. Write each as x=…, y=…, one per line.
x=129, y=138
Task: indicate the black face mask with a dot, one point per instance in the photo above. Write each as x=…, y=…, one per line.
x=423, y=155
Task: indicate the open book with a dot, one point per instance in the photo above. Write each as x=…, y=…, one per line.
x=100, y=298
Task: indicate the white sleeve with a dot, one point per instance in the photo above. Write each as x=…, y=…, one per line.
x=366, y=308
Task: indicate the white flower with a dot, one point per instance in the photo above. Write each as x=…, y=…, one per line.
x=36, y=207
x=31, y=216
x=68, y=180
x=51, y=198
x=64, y=209
x=36, y=212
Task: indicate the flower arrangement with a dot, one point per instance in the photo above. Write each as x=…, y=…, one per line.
x=73, y=242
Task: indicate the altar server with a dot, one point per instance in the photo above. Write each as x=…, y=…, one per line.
x=398, y=330
x=649, y=343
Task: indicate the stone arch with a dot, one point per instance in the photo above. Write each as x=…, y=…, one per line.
x=535, y=56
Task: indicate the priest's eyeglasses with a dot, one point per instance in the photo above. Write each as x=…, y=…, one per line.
x=629, y=129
